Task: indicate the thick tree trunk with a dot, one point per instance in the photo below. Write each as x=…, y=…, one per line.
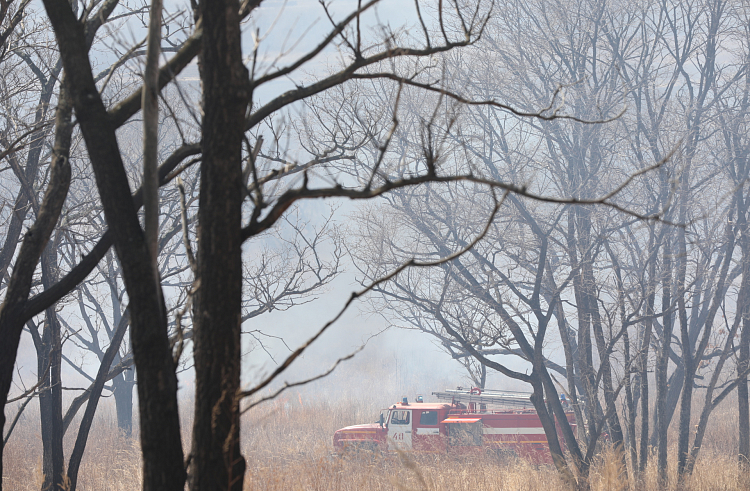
x=216, y=460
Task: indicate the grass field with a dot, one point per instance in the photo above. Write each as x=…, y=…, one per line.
x=287, y=444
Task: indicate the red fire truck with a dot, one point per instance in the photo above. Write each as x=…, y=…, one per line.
x=469, y=421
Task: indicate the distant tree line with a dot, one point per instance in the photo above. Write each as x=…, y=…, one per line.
x=638, y=312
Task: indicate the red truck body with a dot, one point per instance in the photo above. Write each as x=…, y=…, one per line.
x=472, y=423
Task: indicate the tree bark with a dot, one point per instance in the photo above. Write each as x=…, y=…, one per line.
x=216, y=462
x=50, y=391
x=151, y=134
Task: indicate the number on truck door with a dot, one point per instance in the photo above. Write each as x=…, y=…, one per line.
x=399, y=429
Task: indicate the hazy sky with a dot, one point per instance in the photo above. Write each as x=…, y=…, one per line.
x=288, y=29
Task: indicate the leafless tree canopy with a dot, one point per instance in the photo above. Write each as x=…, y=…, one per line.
x=592, y=299
x=552, y=190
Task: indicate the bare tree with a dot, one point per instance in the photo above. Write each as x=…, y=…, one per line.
x=623, y=286
x=227, y=87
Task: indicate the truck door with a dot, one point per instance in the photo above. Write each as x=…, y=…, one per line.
x=399, y=429
x=426, y=435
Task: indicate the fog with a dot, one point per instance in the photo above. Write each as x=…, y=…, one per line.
x=547, y=197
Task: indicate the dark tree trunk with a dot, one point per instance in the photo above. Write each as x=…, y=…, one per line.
x=548, y=423
x=123, y=385
x=216, y=460
x=50, y=391
x=163, y=466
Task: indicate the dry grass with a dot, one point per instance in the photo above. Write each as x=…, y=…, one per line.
x=287, y=444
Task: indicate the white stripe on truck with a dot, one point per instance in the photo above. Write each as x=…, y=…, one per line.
x=512, y=431
x=428, y=431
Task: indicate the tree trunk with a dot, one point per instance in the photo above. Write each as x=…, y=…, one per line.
x=550, y=430
x=88, y=416
x=216, y=460
x=630, y=405
x=686, y=402
x=50, y=392
x=644, y=349
x=662, y=422
x=742, y=396
x=584, y=360
x=32, y=247
x=604, y=364
x=33, y=244
x=630, y=410
x=743, y=405
x=123, y=385
x=163, y=465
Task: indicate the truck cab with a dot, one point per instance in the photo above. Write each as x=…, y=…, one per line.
x=417, y=426
x=404, y=426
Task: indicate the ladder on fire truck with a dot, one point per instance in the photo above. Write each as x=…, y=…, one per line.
x=496, y=399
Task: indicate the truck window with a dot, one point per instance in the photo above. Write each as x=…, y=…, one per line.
x=400, y=417
x=428, y=418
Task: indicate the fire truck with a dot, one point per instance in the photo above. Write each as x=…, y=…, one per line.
x=465, y=422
